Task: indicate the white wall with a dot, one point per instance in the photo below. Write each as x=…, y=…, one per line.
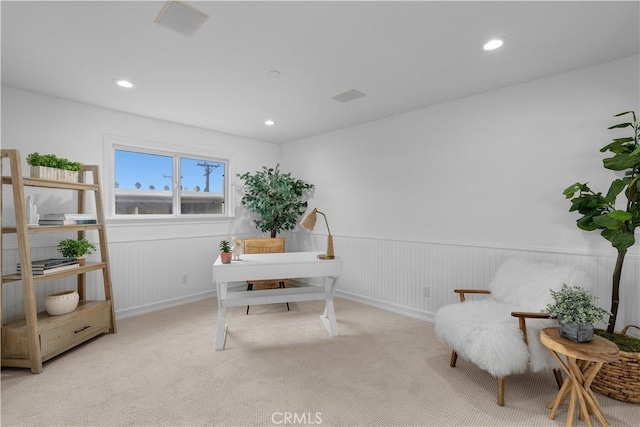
x=468, y=183
x=147, y=260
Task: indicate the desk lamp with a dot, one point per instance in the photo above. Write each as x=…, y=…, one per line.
x=309, y=222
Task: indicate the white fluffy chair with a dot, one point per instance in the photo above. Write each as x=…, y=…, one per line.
x=492, y=332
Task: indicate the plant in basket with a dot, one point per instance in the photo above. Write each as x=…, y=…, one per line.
x=618, y=226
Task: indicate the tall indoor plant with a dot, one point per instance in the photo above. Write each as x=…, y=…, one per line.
x=276, y=198
x=600, y=212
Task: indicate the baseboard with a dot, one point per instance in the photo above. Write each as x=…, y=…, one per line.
x=394, y=308
x=142, y=309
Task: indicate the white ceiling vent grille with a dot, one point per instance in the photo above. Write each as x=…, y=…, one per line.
x=181, y=17
x=349, y=95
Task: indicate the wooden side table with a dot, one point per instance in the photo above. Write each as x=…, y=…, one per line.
x=584, y=360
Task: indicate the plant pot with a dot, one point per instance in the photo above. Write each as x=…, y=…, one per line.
x=576, y=332
x=62, y=302
x=225, y=257
x=53, y=174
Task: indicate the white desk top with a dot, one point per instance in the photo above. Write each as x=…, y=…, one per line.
x=275, y=266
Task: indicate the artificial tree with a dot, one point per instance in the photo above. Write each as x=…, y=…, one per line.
x=277, y=198
x=599, y=212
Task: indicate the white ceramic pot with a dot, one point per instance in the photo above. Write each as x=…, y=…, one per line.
x=62, y=302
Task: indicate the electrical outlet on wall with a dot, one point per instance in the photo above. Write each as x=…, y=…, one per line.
x=184, y=279
x=426, y=291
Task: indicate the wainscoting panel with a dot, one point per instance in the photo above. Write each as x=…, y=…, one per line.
x=385, y=272
x=393, y=274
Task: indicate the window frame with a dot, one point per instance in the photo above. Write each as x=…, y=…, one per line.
x=176, y=152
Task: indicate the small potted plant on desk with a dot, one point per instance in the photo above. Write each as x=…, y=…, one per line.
x=577, y=311
x=225, y=252
x=72, y=248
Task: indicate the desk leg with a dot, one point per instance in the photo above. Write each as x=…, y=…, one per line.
x=221, y=327
x=329, y=316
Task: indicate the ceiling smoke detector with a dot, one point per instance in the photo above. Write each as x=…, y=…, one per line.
x=181, y=17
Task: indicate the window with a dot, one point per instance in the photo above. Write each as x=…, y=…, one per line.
x=150, y=183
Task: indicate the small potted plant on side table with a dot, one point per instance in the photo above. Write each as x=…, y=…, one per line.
x=577, y=311
x=225, y=252
x=72, y=248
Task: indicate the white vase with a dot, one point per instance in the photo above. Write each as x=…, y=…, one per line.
x=62, y=302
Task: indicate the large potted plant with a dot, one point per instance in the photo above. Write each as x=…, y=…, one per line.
x=278, y=199
x=617, y=223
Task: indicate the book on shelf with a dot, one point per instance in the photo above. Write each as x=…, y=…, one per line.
x=39, y=271
x=66, y=221
x=63, y=216
x=50, y=262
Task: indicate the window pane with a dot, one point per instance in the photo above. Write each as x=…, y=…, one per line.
x=143, y=183
x=202, y=186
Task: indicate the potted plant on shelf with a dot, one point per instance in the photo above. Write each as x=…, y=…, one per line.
x=577, y=311
x=225, y=252
x=618, y=226
x=72, y=248
x=51, y=167
x=278, y=199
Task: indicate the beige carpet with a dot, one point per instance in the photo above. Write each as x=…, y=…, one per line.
x=161, y=369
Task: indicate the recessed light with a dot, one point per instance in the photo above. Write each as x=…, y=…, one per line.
x=269, y=122
x=124, y=83
x=493, y=44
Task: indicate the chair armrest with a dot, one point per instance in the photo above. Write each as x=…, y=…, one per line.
x=461, y=292
x=523, y=315
x=528, y=315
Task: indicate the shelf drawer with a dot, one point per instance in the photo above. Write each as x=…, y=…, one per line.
x=75, y=331
x=58, y=333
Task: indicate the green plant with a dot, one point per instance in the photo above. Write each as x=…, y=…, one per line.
x=52, y=161
x=277, y=198
x=600, y=212
x=225, y=246
x=71, y=248
x=575, y=305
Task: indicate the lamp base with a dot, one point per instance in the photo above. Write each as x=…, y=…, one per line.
x=323, y=256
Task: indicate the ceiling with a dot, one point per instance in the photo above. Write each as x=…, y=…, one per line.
x=402, y=55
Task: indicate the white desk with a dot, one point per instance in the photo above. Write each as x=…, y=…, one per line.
x=276, y=266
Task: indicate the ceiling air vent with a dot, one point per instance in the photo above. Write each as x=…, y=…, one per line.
x=181, y=17
x=349, y=95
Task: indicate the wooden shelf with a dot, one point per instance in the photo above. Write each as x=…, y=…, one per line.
x=40, y=229
x=38, y=337
x=90, y=266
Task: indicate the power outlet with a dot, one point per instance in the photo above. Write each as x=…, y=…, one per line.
x=184, y=279
x=426, y=291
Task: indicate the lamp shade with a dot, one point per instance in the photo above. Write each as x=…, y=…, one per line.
x=310, y=221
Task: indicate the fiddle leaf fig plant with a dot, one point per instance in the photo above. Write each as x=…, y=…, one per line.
x=277, y=198
x=617, y=221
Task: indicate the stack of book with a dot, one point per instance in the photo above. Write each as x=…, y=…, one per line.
x=67, y=219
x=51, y=265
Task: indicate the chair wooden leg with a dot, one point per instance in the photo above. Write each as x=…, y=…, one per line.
x=249, y=288
x=281, y=284
x=501, y=391
x=454, y=359
x=558, y=375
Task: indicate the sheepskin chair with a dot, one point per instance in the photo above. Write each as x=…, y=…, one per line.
x=492, y=333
